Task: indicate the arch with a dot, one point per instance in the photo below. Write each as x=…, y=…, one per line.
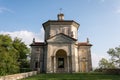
x=61, y=60
x=54, y=53
x=61, y=52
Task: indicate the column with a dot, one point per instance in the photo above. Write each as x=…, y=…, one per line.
x=70, y=59
x=87, y=66
x=38, y=65
x=54, y=64
x=68, y=63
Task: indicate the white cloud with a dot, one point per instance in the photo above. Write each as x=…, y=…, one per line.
x=26, y=36
x=3, y=9
x=41, y=35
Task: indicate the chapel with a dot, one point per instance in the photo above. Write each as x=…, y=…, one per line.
x=61, y=52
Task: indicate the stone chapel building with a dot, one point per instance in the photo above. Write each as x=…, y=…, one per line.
x=61, y=52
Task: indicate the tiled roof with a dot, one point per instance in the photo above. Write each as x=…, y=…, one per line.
x=37, y=44
x=84, y=44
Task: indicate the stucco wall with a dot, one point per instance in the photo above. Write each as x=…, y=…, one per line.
x=52, y=49
x=56, y=29
x=37, y=56
x=84, y=52
x=75, y=32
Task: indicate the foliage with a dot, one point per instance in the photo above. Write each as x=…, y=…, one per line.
x=111, y=71
x=8, y=57
x=12, y=55
x=74, y=76
x=98, y=70
x=23, y=51
x=114, y=61
x=22, y=70
x=115, y=56
x=105, y=64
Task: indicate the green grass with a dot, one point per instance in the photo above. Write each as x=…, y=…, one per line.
x=74, y=76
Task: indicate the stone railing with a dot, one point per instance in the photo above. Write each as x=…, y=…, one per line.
x=18, y=76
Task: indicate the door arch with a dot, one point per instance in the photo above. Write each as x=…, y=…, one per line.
x=61, y=60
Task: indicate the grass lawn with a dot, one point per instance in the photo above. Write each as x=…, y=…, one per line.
x=74, y=76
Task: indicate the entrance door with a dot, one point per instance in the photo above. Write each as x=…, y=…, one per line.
x=83, y=66
x=61, y=61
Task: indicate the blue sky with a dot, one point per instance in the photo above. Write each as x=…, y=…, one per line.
x=99, y=20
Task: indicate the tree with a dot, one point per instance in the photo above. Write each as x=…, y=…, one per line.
x=115, y=56
x=13, y=55
x=105, y=64
x=23, y=51
x=8, y=58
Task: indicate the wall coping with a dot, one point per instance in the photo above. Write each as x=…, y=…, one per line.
x=18, y=76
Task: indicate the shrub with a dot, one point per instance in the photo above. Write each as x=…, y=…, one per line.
x=25, y=70
x=98, y=70
x=111, y=71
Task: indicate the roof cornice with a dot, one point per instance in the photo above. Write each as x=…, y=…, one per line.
x=62, y=22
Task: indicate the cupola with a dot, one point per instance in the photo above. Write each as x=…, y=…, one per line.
x=60, y=17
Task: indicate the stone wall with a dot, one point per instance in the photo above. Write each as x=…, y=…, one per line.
x=18, y=76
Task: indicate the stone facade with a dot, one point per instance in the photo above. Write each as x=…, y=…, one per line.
x=61, y=52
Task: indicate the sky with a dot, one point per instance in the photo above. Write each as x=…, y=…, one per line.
x=99, y=21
